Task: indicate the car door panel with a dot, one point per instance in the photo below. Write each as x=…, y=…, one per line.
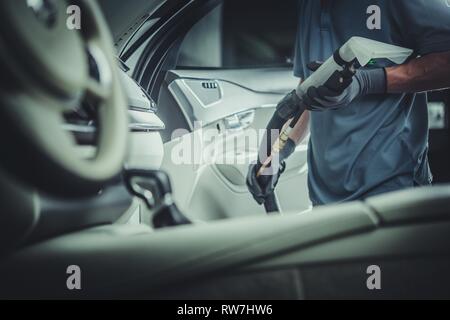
x=228, y=103
x=208, y=101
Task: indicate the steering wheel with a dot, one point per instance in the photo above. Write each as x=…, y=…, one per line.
x=47, y=70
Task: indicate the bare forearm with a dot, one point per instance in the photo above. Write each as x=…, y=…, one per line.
x=430, y=72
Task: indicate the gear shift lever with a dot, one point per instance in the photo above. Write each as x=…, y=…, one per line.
x=153, y=186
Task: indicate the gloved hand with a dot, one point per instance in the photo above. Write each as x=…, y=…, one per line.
x=340, y=91
x=263, y=186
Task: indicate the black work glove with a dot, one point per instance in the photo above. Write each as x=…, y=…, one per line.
x=263, y=186
x=344, y=87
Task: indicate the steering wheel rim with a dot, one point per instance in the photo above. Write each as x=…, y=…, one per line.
x=51, y=74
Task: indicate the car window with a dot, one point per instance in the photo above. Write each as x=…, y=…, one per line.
x=240, y=34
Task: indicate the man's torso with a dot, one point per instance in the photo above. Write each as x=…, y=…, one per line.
x=376, y=144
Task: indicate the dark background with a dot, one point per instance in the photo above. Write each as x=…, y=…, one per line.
x=267, y=38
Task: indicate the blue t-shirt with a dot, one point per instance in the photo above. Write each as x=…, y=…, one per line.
x=378, y=143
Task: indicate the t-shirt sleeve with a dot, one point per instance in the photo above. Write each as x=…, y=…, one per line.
x=425, y=23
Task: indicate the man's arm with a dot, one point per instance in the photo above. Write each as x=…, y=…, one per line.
x=430, y=72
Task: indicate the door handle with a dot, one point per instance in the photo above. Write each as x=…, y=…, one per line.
x=239, y=121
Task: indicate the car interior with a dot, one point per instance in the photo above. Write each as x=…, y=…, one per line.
x=92, y=117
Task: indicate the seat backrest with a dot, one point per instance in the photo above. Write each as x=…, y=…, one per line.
x=413, y=205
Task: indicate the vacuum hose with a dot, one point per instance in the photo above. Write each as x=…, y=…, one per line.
x=291, y=107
